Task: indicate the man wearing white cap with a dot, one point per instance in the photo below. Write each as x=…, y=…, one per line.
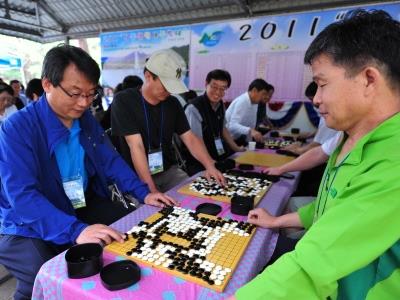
x=146, y=120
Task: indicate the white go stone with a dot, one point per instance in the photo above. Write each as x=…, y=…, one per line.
x=227, y=270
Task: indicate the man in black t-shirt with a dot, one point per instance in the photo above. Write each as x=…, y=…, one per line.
x=146, y=121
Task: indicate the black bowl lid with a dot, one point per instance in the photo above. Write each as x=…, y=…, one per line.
x=120, y=275
x=260, y=145
x=274, y=134
x=225, y=165
x=295, y=130
x=208, y=208
x=263, y=130
x=246, y=167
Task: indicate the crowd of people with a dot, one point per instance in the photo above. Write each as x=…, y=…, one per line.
x=58, y=165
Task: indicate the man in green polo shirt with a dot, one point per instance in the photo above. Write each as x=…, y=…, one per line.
x=351, y=249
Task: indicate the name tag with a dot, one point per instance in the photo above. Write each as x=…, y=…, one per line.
x=219, y=146
x=74, y=190
x=155, y=159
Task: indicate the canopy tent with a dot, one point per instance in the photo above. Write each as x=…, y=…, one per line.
x=54, y=20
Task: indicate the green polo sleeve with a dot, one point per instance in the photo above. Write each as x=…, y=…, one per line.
x=339, y=243
x=306, y=214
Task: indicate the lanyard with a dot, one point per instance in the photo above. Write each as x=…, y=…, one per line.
x=327, y=186
x=148, y=125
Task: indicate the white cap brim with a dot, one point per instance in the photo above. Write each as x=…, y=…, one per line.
x=173, y=86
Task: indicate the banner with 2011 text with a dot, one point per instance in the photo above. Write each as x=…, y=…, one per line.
x=270, y=47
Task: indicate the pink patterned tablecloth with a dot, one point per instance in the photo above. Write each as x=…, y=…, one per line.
x=52, y=281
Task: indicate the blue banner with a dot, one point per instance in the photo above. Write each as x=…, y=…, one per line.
x=10, y=62
x=124, y=53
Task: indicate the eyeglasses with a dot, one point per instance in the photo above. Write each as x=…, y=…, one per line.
x=76, y=96
x=8, y=99
x=217, y=88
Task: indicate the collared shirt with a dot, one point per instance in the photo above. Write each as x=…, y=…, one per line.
x=331, y=144
x=33, y=202
x=71, y=156
x=351, y=249
x=241, y=116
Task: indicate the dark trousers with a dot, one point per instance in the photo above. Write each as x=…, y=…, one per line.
x=24, y=256
x=283, y=245
x=310, y=181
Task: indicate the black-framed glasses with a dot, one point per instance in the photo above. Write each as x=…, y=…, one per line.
x=76, y=96
x=8, y=99
x=217, y=88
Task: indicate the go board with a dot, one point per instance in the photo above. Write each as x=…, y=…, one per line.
x=276, y=143
x=198, y=248
x=235, y=186
x=263, y=159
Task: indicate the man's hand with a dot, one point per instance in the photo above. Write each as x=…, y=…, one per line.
x=239, y=148
x=262, y=218
x=99, y=233
x=292, y=147
x=257, y=136
x=213, y=172
x=273, y=171
x=160, y=200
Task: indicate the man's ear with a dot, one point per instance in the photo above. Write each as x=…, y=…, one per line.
x=46, y=85
x=147, y=75
x=371, y=76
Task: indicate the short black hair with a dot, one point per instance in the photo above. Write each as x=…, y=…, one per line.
x=14, y=81
x=118, y=88
x=311, y=89
x=219, y=74
x=259, y=84
x=60, y=57
x=34, y=86
x=132, y=81
x=361, y=38
x=189, y=95
x=150, y=72
x=4, y=87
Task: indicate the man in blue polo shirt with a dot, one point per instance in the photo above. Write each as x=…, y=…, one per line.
x=55, y=167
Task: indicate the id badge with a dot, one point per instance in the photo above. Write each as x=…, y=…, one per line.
x=73, y=187
x=219, y=146
x=155, y=159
